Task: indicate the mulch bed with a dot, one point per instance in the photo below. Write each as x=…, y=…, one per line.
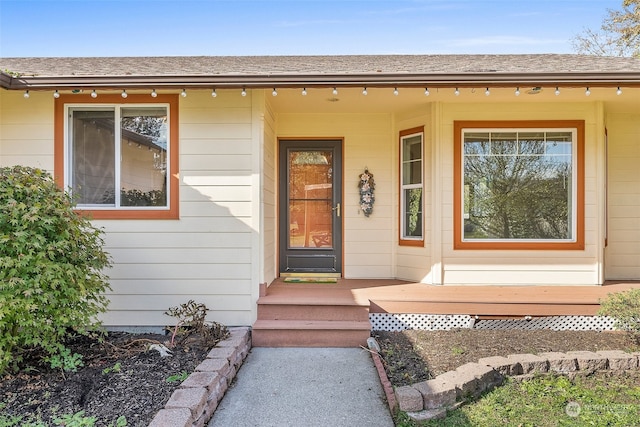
x=413, y=356
x=120, y=377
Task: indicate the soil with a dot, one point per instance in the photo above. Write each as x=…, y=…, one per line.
x=121, y=377
x=415, y=355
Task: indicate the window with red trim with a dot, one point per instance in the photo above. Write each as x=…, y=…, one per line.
x=519, y=185
x=118, y=157
x=412, y=187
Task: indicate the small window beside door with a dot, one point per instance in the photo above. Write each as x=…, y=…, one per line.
x=412, y=187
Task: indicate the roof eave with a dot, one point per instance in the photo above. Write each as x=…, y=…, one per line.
x=319, y=80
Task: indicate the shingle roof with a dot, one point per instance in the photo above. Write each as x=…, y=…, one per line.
x=264, y=70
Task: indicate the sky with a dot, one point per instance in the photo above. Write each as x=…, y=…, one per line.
x=293, y=27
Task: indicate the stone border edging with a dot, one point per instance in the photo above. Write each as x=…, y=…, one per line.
x=192, y=404
x=432, y=398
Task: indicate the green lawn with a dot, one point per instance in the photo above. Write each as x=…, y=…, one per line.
x=598, y=400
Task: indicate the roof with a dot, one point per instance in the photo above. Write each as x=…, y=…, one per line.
x=345, y=70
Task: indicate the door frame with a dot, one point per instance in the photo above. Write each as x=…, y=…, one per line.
x=279, y=213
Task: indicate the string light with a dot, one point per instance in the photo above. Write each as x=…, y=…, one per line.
x=619, y=91
x=557, y=91
x=184, y=93
x=153, y=93
x=487, y=92
x=26, y=94
x=426, y=91
x=213, y=93
x=94, y=94
x=124, y=93
x=587, y=92
x=56, y=94
x=244, y=92
x=304, y=91
x=517, y=92
x=456, y=92
x=335, y=90
x=275, y=92
x=395, y=91
x=364, y=91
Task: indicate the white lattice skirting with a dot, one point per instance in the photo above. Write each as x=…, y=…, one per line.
x=439, y=322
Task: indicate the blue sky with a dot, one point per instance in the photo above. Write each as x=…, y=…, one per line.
x=293, y=27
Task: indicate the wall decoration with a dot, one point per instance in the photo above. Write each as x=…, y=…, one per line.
x=366, y=186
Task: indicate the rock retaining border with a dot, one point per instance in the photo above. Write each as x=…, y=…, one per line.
x=192, y=404
x=432, y=398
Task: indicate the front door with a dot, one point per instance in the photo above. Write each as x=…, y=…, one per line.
x=310, y=220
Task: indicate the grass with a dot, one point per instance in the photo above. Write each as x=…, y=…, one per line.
x=549, y=400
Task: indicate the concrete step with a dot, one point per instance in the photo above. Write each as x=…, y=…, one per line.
x=310, y=333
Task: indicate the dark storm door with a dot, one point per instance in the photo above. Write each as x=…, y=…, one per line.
x=310, y=216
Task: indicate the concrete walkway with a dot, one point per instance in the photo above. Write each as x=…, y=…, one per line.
x=305, y=387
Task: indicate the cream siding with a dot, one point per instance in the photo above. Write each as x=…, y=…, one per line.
x=206, y=255
x=368, y=142
x=414, y=263
x=26, y=129
x=623, y=250
x=523, y=267
x=269, y=171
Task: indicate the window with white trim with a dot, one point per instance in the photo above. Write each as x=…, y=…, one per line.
x=411, y=187
x=518, y=185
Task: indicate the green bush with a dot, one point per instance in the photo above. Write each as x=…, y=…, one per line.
x=624, y=308
x=52, y=282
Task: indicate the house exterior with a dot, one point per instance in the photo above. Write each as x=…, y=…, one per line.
x=226, y=173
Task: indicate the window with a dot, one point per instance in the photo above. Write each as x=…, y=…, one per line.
x=519, y=185
x=411, y=187
x=119, y=157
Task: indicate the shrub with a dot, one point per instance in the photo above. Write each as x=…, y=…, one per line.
x=624, y=308
x=51, y=269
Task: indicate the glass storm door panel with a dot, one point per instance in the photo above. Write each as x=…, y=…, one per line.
x=310, y=203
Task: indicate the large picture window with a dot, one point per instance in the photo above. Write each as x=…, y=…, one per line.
x=411, y=187
x=118, y=158
x=519, y=185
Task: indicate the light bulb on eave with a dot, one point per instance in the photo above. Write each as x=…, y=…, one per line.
x=335, y=91
x=275, y=92
x=587, y=92
x=426, y=91
x=94, y=94
x=557, y=91
x=26, y=94
x=304, y=91
x=213, y=93
x=244, y=92
x=517, y=92
x=183, y=93
x=456, y=92
x=619, y=91
x=56, y=94
x=153, y=93
x=124, y=93
x=364, y=91
x=487, y=92
x=395, y=91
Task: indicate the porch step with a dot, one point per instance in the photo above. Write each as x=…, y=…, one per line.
x=310, y=333
x=311, y=315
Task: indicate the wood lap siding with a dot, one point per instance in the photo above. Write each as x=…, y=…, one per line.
x=622, y=252
x=26, y=130
x=206, y=254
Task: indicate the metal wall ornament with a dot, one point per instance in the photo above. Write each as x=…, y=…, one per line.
x=367, y=187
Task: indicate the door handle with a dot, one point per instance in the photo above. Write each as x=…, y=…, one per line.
x=336, y=209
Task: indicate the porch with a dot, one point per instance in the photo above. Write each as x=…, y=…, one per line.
x=337, y=314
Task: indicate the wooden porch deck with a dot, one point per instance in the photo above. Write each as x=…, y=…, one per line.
x=345, y=306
